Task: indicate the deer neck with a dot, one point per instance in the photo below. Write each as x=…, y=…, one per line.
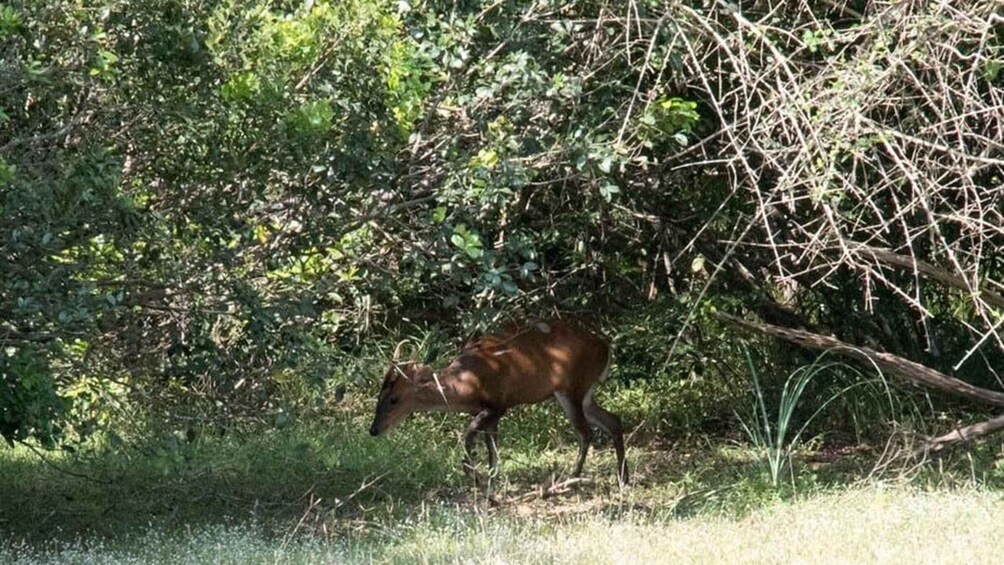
x=449, y=393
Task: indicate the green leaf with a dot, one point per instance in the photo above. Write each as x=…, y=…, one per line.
x=6, y=171
x=439, y=214
x=10, y=21
x=240, y=87
x=527, y=269
x=992, y=69
x=609, y=190
x=466, y=241
x=486, y=158
x=312, y=118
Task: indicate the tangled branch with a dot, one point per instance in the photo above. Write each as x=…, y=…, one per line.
x=852, y=132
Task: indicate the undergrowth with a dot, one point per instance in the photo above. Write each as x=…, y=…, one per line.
x=319, y=489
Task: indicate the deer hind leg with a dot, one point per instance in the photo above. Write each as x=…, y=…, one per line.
x=611, y=424
x=576, y=415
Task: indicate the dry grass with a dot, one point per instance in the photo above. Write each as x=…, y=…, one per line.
x=867, y=525
x=863, y=526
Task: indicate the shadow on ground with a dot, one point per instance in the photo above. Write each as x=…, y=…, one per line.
x=324, y=480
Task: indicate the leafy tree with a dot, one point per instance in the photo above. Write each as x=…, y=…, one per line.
x=201, y=200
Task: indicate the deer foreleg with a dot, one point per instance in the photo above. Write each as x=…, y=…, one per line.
x=472, y=429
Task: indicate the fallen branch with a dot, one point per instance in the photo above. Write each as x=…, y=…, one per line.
x=907, y=370
x=964, y=434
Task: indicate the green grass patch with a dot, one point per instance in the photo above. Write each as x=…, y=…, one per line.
x=267, y=477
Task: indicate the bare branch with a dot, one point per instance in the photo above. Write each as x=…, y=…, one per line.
x=909, y=371
x=965, y=434
x=941, y=275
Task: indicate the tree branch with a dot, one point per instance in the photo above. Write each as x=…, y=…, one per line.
x=964, y=434
x=936, y=273
x=909, y=371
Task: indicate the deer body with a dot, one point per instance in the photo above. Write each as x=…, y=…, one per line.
x=523, y=366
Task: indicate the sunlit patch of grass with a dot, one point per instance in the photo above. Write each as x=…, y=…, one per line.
x=869, y=524
x=224, y=543
x=861, y=526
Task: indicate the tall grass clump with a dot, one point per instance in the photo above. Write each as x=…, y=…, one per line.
x=772, y=431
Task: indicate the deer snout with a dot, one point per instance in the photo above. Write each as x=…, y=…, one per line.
x=374, y=429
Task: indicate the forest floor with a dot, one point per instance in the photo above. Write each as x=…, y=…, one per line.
x=328, y=493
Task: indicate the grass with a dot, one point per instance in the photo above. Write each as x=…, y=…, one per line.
x=323, y=491
x=863, y=525
x=775, y=437
x=267, y=478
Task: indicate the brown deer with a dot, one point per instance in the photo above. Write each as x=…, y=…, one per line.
x=523, y=366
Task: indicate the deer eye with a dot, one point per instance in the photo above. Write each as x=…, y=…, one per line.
x=393, y=400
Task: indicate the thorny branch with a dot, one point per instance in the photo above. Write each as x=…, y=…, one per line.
x=867, y=146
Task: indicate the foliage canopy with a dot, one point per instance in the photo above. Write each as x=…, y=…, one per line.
x=206, y=199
